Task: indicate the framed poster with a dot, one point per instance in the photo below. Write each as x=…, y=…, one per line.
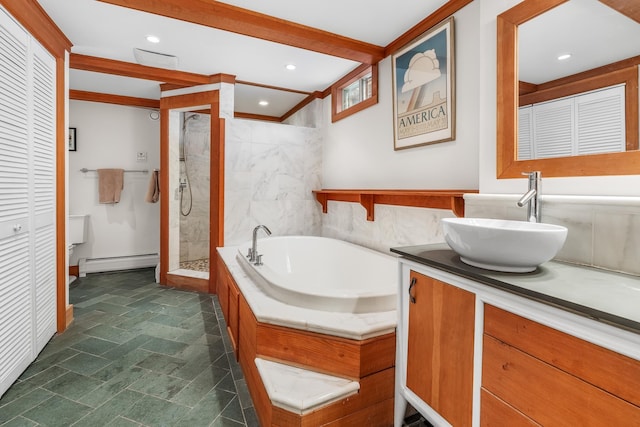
x=423, y=89
x=72, y=139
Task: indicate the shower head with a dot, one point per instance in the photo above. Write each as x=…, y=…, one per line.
x=194, y=116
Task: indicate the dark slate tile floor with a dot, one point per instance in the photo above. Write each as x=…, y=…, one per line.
x=137, y=354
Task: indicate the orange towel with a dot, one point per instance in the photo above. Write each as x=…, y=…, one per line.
x=153, y=193
x=110, y=184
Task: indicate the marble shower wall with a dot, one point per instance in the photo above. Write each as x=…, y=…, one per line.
x=393, y=225
x=194, y=228
x=270, y=171
x=604, y=232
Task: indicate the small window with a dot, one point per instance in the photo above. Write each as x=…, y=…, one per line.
x=354, y=92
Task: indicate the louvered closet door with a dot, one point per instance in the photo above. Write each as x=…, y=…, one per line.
x=15, y=287
x=43, y=190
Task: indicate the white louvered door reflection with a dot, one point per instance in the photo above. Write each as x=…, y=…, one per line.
x=27, y=199
x=588, y=123
x=16, y=347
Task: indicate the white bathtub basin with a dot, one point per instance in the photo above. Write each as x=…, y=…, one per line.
x=324, y=274
x=502, y=245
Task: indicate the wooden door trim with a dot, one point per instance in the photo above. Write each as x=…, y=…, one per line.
x=216, y=212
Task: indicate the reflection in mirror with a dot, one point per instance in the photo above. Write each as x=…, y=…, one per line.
x=539, y=82
x=570, y=103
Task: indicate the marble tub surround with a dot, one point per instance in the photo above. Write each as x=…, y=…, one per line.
x=270, y=171
x=393, y=225
x=604, y=232
x=267, y=310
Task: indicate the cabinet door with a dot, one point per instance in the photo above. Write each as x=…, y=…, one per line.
x=223, y=288
x=440, y=347
x=233, y=322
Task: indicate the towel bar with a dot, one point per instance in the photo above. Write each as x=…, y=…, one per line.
x=85, y=170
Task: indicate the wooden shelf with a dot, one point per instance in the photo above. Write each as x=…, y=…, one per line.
x=436, y=199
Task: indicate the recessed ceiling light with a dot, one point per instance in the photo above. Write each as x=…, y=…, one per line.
x=290, y=67
x=153, y=39
x=564, y=56
x=263, y=103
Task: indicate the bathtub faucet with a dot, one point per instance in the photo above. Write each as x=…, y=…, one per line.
x=253, y=252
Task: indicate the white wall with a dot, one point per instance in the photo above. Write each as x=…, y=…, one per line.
x=358, y=150
x=358, y=153
x=601, y=185
x=109, y=136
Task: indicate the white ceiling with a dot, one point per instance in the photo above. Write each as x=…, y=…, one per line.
x=108, y=31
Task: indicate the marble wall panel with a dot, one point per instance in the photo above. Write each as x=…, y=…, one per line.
x=270, y=171
x=603, y=232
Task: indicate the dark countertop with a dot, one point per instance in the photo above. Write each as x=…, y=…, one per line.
x=605, y=296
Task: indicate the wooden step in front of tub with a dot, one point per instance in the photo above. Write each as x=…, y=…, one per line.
x=301, y=391
x=370, y=405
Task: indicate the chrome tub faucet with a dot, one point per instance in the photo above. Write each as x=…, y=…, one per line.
x=532, y=197
x=253, y=251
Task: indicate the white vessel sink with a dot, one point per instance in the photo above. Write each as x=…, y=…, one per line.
x=503, y=245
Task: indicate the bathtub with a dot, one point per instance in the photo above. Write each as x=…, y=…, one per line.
x=323, y=274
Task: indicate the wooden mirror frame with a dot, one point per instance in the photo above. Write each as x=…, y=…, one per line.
x=508, y=166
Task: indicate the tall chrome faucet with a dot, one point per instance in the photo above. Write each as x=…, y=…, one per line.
x=253, y=252
x=532, y=196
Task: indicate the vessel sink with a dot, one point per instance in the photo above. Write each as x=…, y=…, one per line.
x=503, y=245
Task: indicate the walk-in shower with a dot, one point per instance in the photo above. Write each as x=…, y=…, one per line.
x=193, y=187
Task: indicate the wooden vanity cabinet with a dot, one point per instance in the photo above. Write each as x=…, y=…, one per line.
x=440, y=347
x=535, y=375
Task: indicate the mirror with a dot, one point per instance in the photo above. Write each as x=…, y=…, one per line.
x=524, y=78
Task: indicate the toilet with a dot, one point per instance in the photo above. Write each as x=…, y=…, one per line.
x=78, y=226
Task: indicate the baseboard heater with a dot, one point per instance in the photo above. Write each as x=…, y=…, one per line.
x=129, y=262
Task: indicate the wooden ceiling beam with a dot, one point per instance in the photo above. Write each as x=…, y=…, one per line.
x=628, y=8
x=251, y=116
x=222, y=16
x=129, y=69
x=35, y=19
x=106, y=98
x=445, y=11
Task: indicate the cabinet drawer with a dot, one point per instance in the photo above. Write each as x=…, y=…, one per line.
x=498, y=413
x=547, y=394
x=613, y=372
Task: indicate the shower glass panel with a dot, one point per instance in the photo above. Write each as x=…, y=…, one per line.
x=193, y=190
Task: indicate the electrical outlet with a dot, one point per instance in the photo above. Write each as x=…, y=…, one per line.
x=141, y=156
